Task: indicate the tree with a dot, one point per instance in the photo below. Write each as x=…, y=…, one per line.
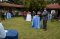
x=58, y=1
x=10, y=0
x=53, y=1
x=32, y=4
x=18, y=1
x=37, y=4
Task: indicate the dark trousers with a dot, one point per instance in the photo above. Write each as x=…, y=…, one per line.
x=45, y=24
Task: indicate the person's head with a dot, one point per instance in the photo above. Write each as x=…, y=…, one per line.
x=29, y=12
x=44, y=9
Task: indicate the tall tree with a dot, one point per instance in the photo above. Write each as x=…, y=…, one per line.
x=37, y=4
x=32, y=4
x=18, y=1
x=53, y=1
x=58, y=1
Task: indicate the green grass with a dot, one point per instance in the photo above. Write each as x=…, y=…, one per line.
x=26, y=31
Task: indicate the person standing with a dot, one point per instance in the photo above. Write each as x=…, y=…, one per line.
x=45, y=18
x=36, y=21
x=8, y=15
x=28, y=17
x=39, y=14
x=5, y=14
x=49, y=16
x=33, y=14
x=53, y=12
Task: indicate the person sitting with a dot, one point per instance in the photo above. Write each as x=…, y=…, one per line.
x=2, y=31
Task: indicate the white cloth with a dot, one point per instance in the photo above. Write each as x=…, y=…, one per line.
x=28, y=17
x=52, y=11
x=2, y=31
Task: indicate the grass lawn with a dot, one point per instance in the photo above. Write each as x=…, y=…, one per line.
x=26, y=31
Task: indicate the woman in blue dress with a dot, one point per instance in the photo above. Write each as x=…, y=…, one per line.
x=36, y=21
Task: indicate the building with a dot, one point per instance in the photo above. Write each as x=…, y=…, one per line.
x=55, y=7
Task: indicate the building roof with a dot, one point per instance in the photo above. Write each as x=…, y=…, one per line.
x=53, y=6
x=11, y=5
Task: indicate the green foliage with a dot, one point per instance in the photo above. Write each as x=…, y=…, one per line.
x=34, y=4
x=58, y=1
x=53, y=1
x=18, y=1
x=37, y=4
